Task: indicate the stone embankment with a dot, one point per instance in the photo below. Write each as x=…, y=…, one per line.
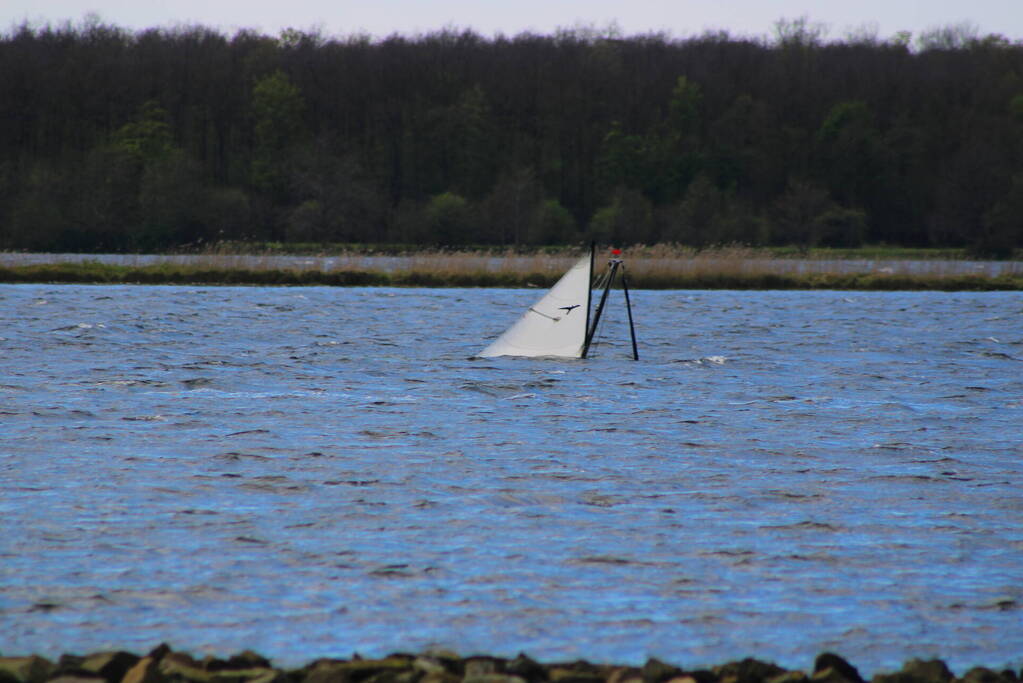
x=163, y=665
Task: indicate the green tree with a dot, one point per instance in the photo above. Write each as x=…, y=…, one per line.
x=1016, y=108
x=1003, y=224
x=851, y=156
x=510, y=207
x=173, y=203
x=448, y=220
x=148, y=137
x=628, y=219
x=694, y=221
x=277, y=108
x=552, y=223
x=806, y=215
x=336, y=202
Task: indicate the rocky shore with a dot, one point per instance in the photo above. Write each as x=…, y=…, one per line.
x=163, y=665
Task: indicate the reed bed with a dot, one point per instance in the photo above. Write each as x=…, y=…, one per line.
x=656, y=267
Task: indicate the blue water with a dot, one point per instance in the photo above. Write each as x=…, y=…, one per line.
x=314, y=472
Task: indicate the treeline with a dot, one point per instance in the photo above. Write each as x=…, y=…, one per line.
x=115, y=140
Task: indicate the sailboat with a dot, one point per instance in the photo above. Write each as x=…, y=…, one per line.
x=560, y=324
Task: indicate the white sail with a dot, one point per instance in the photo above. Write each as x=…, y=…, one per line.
x=553, y=326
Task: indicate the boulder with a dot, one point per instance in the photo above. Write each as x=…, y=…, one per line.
x=980, y=674
x=580, y=672
x=248, y=660
x=111, y=666
x=84, y=677
x=747, y=671
x=478, y=667
x=439, y=677
x=830, y=668
x=146, y=670
x=526, y=668
x=656, y=671
x=356, y=670
x=625, y=674
x=178, y=666
x=494, y=678
x=929, y=671
x=31, y=669
x=429, y=665
x=797, y=677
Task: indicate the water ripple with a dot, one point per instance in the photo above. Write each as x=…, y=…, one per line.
x=311, y=472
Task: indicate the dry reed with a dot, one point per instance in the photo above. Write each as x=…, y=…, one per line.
x=659, y=266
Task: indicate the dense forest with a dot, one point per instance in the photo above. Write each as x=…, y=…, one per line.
x=123, y=141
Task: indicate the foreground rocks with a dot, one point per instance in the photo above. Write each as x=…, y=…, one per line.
x=163, y=665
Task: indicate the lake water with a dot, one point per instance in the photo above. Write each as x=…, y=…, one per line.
x=314, y=471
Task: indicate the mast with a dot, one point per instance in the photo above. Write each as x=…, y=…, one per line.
x=628, y=307
x=616, y=264
x=589, y=301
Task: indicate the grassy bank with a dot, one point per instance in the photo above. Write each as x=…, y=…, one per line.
x=661, y=267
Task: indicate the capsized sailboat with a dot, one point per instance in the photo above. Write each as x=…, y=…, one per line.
x=560, y=324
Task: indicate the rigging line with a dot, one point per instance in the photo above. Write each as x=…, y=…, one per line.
x=549, y=317
x=602, y=322
x=595, y=340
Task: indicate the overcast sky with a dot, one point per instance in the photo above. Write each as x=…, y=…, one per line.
x=383, y=17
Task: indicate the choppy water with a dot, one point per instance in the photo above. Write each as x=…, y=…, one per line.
x=317, y=471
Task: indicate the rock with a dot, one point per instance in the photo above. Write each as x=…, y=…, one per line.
x=829, y=675
x=526, y=668
x=747, y=671
x=246, y=668
x=839, y=666
x=494, y=678
x=580, y=672
x=625, y=674
x=248, y=660
x=656, y=671
x=356, y=670
x=31, y=669
x=254, y=675
x=703, y=676
x=146, y=670
x=980, y=674
x=428, y=665
x=918, y=671
x=478, y=667
x=111, y=666
x=792, y=677
x=439, y=677
x=178, y=666
x=160, y=651
x=68, y=662
x=407, y=676
x=84, y=677
x=930, y=671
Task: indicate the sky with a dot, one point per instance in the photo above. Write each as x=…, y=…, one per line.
x=380, y=18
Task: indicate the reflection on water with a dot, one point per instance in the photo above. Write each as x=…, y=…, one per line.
x=316, y=471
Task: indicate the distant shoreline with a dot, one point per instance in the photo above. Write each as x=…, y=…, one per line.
x=736, y=269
